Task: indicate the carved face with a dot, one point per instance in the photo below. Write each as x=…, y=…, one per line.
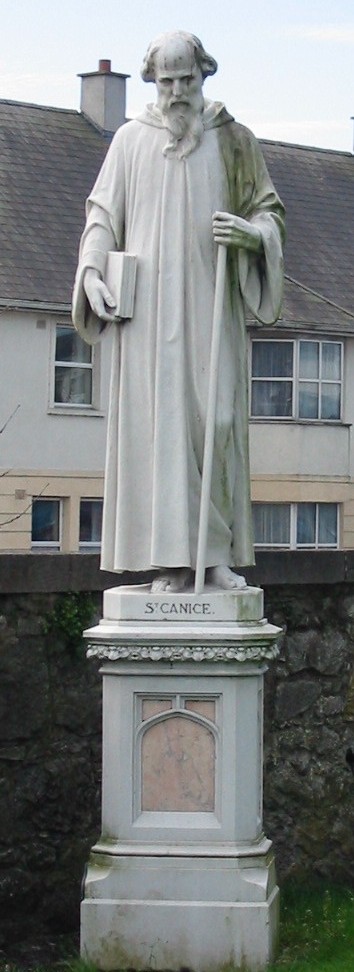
x=178, y=78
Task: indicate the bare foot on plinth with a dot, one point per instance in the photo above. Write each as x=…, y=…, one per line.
x=172, y=580
x=225, y=578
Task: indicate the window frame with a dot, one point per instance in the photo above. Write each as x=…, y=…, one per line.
x=94, y=366
x=48, y=544
x=293, y=543
x=90, y=546
x=296, y=381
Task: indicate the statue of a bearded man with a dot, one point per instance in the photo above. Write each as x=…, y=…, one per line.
x=176, y=182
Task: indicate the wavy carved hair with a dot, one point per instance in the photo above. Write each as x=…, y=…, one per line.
x=205, y=62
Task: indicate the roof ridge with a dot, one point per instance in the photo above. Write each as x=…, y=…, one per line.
x=305, y=148
x=30, y=104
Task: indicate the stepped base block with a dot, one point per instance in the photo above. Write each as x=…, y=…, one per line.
x=167, y=913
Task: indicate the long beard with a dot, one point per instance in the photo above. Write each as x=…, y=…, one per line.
x=185, y=126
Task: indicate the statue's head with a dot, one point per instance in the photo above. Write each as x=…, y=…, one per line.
x=173, y=46
x=178, y=64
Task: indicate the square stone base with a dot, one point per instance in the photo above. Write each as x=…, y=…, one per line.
x=167, y=913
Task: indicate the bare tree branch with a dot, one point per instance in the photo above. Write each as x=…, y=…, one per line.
x=17, y=516
x=10, y=417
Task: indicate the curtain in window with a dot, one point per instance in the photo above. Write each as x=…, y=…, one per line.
x=90, y=521
x=271, y=522
x=73, y=385
x=306, y=524
x=272, y=360
x=327, y=524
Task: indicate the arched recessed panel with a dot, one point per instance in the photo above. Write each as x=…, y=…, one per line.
x=178, y=766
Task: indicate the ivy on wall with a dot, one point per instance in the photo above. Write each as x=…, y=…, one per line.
x=71, y=614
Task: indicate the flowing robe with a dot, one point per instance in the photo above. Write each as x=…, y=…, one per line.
x=161, y=210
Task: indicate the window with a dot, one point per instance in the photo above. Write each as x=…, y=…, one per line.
x=73, y=368
x=296, y=379
x=46, y=523
x=90, y=523
x=295, y=525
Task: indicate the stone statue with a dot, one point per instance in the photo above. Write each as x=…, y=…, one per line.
x=178, y=180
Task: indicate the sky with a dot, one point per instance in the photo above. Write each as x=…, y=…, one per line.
x=285, y=66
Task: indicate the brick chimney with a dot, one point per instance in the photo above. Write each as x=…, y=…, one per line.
x=103, y=97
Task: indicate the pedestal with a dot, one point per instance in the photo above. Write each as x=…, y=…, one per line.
x=182, y=874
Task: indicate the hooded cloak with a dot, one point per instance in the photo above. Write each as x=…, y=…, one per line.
x=161, y=209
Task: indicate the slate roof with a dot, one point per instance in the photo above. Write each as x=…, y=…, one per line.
x=317, y=188
x=49, y=159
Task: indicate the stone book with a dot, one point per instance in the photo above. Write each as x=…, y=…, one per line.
x=120, y=279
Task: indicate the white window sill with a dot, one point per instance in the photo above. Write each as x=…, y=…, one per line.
x=283, y=546
x=39, y=546
x=86, y=410
x=271, y=419
x=89, y=548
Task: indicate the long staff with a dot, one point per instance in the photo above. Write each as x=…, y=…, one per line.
x=210, y=420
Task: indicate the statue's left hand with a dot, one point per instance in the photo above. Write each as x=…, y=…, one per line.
x=231, y=230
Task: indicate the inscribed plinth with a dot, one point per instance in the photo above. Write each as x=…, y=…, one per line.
x=182, y=872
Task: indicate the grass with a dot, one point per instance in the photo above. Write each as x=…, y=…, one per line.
x=317, y=930
x=317, y=934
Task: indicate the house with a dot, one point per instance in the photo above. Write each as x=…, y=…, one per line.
x=54, y=388
x=301, y=389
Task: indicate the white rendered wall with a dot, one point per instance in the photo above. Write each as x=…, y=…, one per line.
x=299, y=449
x=38, y=436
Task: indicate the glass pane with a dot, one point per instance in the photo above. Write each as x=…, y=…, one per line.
x=306, y=523
x=271, y=523
x=90, y=521
x=327, y=524
x=73, y=386
x=272, y=398
x=331, y=360
x=309, y=359
x=308, y=400
x=45, y=521
x=272, y=359
x=71, y=347
x=330, y=401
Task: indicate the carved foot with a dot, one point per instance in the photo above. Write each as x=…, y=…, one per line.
x=225, y=578
x=172, y=580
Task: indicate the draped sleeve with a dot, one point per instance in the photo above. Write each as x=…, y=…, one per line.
x=104, y=231
x=260, y=275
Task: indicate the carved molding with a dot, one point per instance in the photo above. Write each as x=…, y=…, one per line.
x=258, y=651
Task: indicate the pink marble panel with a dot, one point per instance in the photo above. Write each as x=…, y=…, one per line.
x=178, y=766
x=204, y=707
x=151, y=707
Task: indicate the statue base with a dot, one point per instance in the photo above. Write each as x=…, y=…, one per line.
x=182, y=874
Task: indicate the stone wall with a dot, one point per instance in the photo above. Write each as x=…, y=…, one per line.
x=50, y=757
x=309, y=726
x=50, y=730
